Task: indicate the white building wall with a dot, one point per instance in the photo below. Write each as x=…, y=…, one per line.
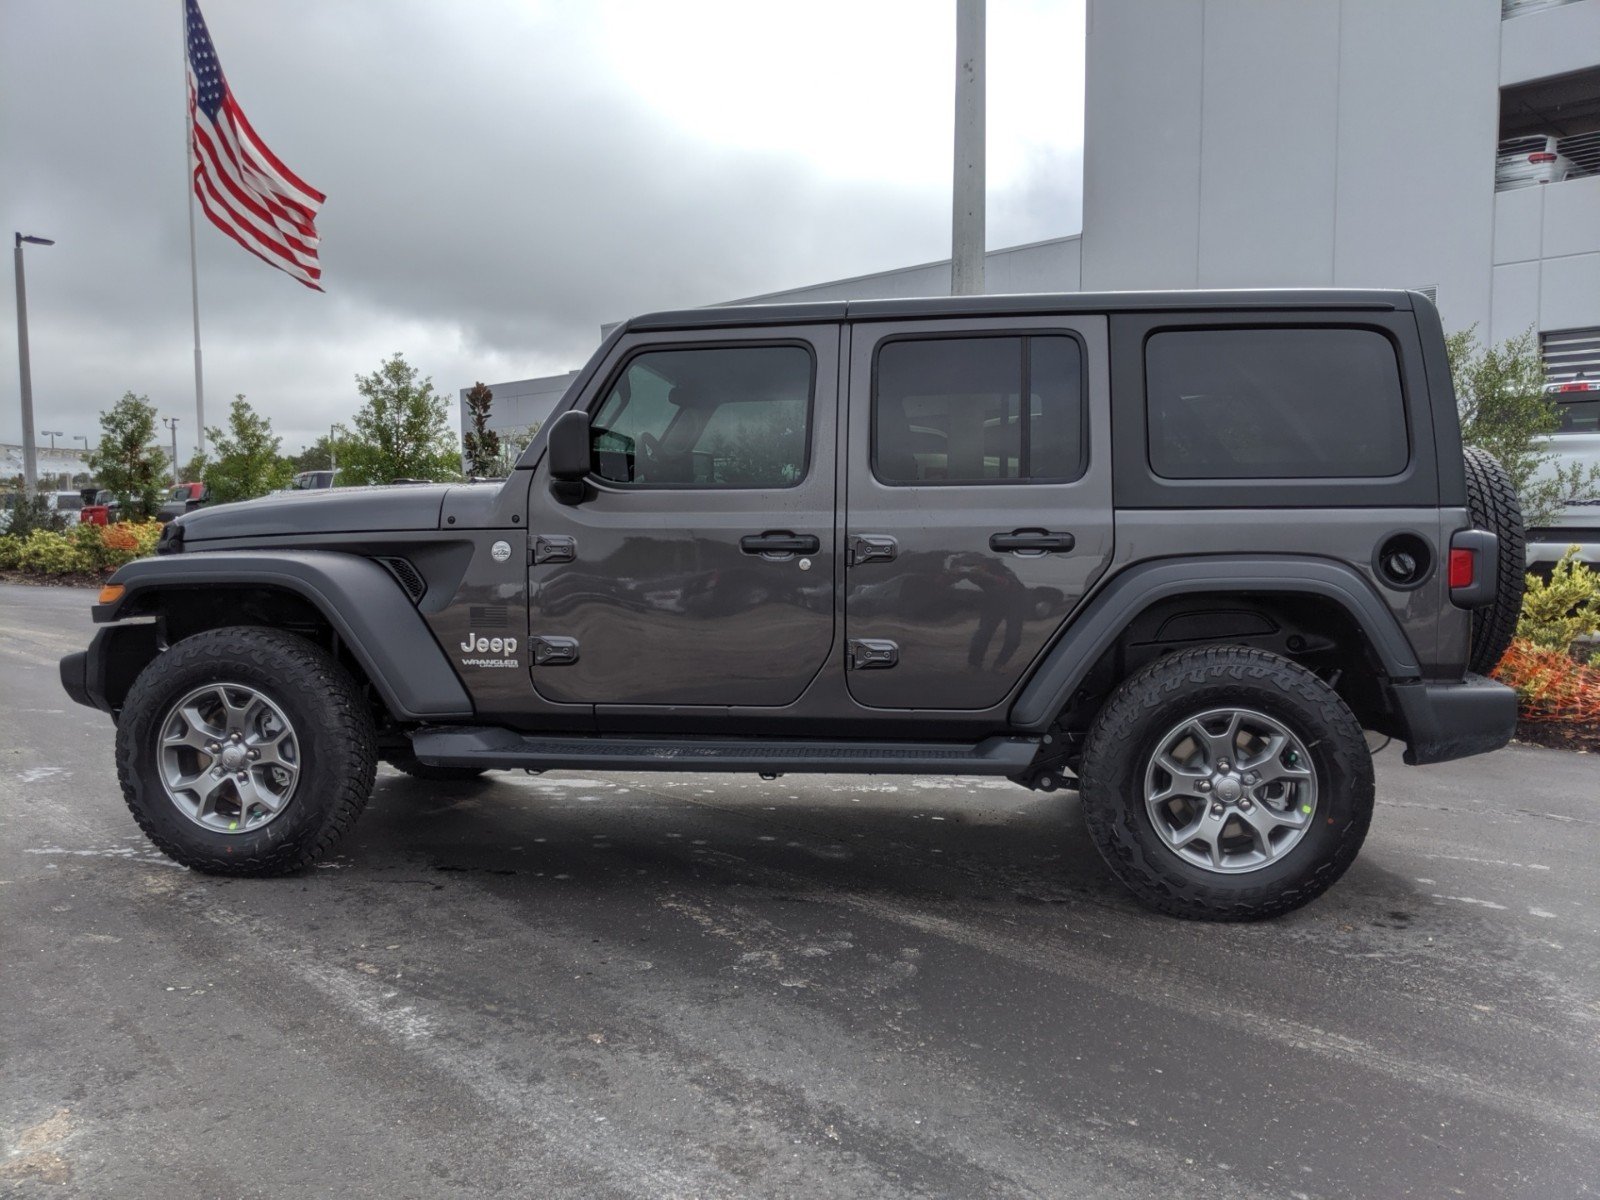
x=1241, y=143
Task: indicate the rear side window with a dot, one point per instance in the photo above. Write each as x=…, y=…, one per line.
x=952, y=410
x=1274, y=404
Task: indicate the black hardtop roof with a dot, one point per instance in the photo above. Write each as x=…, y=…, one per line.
x=1040, y=304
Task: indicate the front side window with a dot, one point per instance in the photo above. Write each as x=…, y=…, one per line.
x=727, y=416
x=950, y=410
x=1274, y=404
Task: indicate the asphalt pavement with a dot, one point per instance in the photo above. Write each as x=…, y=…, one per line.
x=718, y=986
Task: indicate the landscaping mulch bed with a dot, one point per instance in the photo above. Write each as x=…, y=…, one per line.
x=77, y=579
x=1556, y=735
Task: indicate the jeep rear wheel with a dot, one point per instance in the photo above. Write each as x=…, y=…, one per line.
x=1226, y=784
x=245, y=751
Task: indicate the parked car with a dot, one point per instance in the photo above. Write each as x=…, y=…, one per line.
x=1184, y=586
x=185, y=497
x=312, y=481
x=1577, y=441
x=102, y=509
x=1525, y=161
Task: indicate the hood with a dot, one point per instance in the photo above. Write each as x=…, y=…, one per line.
x=332, y=510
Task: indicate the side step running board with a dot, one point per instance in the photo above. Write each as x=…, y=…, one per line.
x=460, y=746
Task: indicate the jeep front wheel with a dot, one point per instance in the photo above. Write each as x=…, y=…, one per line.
x=1226, y=784
x=245, y=751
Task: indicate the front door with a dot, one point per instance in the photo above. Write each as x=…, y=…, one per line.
x=699, y=568
x=978, y=501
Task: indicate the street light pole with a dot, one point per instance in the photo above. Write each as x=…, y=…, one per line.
x=78, y=437
x=52, y=434
x=30, y=459
x=172, y=424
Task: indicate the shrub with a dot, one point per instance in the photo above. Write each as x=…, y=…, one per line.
x=46, y=553
x=34, y=512
x=1556, y=614
x=1551, y=685
x=10, y=551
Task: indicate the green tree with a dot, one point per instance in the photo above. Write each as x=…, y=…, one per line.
x=129, y=464
x=480, y=443
x=512, y=443
x=402, y=431
x=195, y=469
x=245, y=462
x=1500, y=394
x=321, y=455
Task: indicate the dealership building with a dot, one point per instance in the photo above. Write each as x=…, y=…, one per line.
x=1451, y=146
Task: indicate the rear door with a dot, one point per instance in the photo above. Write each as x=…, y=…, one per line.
x=978, y=501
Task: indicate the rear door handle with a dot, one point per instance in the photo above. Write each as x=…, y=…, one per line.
x=780, y=542
x=1039, y=541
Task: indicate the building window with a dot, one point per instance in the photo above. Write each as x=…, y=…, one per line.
x=1549, y=131
x=1274, y=404
x=948, y=410
x=719, y=417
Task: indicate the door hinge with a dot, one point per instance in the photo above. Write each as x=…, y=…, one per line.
x=554, y=547
x=872, y=547
x=873, y=654
x=551, y=651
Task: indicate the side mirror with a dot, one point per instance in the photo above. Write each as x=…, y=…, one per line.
x=569, y=456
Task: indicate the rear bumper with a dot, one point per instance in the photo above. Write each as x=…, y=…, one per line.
x=1546, y=546
x=1442, y=721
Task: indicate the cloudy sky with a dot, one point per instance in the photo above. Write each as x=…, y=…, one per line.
x=502, y=176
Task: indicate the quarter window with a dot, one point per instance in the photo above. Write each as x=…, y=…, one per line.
x=950, y=410
x=736, y=417
x=1274, y=404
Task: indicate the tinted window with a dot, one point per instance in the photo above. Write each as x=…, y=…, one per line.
x=949, y=410
x=1579, y=416
x=1274, y=403
x=715, y=417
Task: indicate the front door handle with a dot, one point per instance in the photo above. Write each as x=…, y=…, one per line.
x=780, y=542
x=1039, y=541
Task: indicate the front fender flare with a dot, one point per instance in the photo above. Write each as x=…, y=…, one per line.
x=1097, y=625
x=357, y=597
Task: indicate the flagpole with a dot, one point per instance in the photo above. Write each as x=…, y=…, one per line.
x=194, y=274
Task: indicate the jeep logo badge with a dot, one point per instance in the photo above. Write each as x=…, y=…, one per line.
x=501, y=551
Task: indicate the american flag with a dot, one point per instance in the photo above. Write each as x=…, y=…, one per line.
x=244, y=188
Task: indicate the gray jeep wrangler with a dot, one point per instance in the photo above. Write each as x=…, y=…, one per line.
x=1175, y=550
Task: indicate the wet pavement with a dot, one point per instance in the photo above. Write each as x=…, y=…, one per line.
x=711, y=985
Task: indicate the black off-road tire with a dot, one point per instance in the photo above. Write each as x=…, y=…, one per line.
x=407, y=764
x=1493, y=506
x=331, y=720
x=1153, y=701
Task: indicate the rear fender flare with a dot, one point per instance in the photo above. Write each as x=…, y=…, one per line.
x=360, y=599
x=1100, y=622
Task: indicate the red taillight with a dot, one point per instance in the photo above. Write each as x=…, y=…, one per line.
x=1576, y=387
x=1542, y=158
x=1463, y=568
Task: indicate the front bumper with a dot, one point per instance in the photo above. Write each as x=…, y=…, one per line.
x=100, y=676
x=1442, y=721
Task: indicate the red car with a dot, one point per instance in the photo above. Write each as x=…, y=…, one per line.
x=102, y=510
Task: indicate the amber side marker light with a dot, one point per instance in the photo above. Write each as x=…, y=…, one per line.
x=111, y=593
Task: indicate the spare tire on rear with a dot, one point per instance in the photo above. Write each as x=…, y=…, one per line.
x=1493, y=506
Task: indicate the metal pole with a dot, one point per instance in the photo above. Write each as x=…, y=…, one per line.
x=967, y=238
x=333, y=465
x=172, y=424
x=30, y=460
x=194, y=274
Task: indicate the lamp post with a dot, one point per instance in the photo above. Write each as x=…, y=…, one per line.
x=30, y=459
x=172, y=425
x=78, y=437
x=52, y=434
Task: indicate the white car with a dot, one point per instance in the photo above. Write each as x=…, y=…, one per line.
x=1576, y=441
x=1525, y=161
